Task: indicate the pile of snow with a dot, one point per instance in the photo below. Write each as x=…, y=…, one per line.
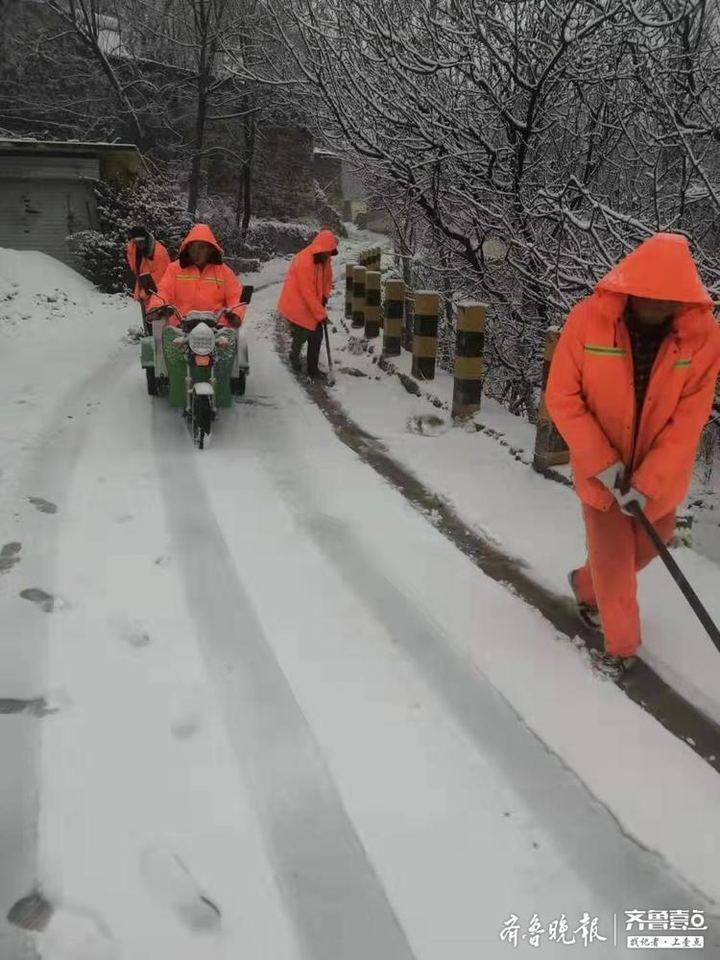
x=53, y=322
x=36, y=288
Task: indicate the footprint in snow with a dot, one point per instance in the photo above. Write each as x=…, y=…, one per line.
x=37, y=707
x=131, y=632
x=9, y=556
x=32, y=912
x=46, y=601
x=185, y=726
x=44, y=506
x=427, y=425
x=173, y=886
x=188, y=720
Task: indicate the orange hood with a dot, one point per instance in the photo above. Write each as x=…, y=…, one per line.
x=201, y=232
x=661, y=268
x=324, y=242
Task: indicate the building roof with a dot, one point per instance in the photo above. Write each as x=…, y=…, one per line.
x=28, y=147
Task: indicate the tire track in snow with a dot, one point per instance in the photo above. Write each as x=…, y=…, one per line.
x=330, y=888
x=642, y=684
x=592, y=840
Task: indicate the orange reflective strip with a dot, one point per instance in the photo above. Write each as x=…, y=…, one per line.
x=187, y=276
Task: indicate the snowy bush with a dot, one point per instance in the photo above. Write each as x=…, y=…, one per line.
x=100, y=257
x=264, y=239
x=161, y=206
x=327, y=213
x=156, y=204
x=272, y=237
x=219, y=211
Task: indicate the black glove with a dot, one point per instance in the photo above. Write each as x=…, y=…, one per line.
x=324, y=301
x=158, y=313
x=147, y=284
x=233, y=319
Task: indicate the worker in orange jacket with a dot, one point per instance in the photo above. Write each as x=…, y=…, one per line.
x=630, y=389
x=304, y=297
x=148, y=260
x=199, y=280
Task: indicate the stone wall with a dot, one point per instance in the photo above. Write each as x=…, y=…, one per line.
x=283, y=173
x=282, y=180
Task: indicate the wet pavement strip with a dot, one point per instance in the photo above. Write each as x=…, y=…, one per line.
x=642, y=684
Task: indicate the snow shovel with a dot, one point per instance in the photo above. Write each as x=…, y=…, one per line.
x=331, y=375
x=677, y=575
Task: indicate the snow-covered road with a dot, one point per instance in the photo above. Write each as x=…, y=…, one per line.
x=293, y=721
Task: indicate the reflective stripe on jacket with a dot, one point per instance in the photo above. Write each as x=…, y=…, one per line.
x=187, y=288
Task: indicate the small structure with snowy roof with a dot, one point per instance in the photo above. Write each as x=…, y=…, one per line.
x=46, y=189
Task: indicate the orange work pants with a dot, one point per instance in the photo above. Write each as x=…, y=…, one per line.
x=618, y=548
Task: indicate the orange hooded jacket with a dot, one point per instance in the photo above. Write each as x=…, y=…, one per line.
x=307, y=282
x=156, y=265
x=186, y=287
x=590, y=392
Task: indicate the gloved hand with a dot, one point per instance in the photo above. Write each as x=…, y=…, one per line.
x=146, y=283
x=632, y=496
x=233, y=319
x=611, y=477
x=158, y=313
x=324, y=301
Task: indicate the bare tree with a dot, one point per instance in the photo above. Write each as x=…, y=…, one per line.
x=537, y=139
x=165, y=77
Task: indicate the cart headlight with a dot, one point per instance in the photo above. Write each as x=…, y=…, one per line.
x=201, y=340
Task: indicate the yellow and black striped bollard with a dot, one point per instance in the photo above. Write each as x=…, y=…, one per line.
x=358, y=305
x=469, y=366
x=407, y=334
x=372, y=304
x=349, y=290
x=393, y=321
x=425, y=334
x=550, y=448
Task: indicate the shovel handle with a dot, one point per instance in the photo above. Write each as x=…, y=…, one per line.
x=677, y=575
x=327, y=347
